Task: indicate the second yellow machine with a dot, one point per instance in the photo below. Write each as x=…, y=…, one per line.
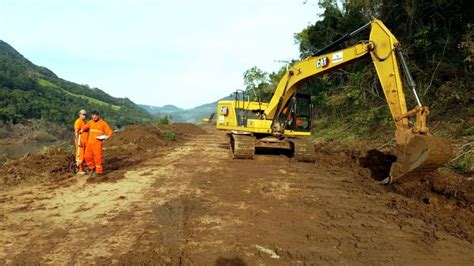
x=278, y=123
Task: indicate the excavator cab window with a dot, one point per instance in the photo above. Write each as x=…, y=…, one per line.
x=299, y=113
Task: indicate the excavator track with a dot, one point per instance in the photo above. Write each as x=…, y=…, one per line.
x=303, y=150
x=242, y=146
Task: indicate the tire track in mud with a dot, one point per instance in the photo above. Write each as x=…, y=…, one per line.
x=195, y=205
x=273, y=210
x=83, y=221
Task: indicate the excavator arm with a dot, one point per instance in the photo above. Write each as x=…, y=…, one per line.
x=309, y=68
x=416, y=149
x=381, y=47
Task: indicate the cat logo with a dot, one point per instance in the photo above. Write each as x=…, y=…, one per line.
x=322, y=62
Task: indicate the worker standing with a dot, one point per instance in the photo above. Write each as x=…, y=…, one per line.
x=99, y=131
x=80, y=140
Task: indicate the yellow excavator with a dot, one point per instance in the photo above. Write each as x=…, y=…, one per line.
x=209, y=119
x=278, y=123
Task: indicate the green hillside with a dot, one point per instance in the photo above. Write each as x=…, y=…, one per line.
x=28, y=91
x=161, y=110
x=436, y=38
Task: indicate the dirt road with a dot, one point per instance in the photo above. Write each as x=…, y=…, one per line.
x=195, y=205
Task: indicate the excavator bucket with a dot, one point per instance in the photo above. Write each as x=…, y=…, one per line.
x=421, y=154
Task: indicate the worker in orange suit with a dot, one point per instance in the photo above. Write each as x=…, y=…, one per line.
x=99, y=131
x=80, y=140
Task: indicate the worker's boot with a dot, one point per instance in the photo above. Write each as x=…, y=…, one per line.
x=80, y=170
x=91, y=172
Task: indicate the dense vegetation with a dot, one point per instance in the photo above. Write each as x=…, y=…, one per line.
x=28, y=91
x=436, y=37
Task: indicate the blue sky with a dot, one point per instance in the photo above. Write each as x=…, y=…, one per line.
x=180, y=52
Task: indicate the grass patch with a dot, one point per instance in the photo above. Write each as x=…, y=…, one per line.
x=170, y=135
x=47, y=84
x=468, y=132
x=465, y=164
x=374, y=124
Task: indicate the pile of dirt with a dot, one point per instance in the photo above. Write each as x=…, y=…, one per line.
x=48, y=166
x=330, y=155
x=126, y=149
x=134, y=144
x=437, y=188
x=187, y=129
x=447, y=197
x=145, y=136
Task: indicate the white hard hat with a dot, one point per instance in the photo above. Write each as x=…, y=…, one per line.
x=82, y=112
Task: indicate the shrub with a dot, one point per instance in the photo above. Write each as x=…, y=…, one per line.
x=465, y=164
x=170, y=135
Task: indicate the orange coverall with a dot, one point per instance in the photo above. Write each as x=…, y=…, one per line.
x=93, y=153
x=78, y=124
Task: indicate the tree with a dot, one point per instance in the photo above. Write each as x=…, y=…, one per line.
x=257, y=81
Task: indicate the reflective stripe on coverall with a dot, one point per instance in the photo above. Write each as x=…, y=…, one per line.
x=93, y=153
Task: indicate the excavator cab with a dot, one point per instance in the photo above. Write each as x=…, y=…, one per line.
x=281, y=122
x=298, y=114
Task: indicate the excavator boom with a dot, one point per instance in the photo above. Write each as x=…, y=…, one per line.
x=416, y=149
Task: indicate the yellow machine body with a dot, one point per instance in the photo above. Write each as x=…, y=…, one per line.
x=227, y=119
x=267, y=124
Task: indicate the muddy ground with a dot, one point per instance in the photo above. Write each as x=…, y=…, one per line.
x=126, y=150
x=186, y=202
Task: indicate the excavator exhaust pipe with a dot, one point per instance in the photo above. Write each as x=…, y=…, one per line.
x=421, y=154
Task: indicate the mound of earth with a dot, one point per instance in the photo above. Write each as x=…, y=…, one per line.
x=145, y=136
x=50, y=165
x=442, y=192
x=126, y=149
x=437, y=188
x=186, y=129
x=133, y=145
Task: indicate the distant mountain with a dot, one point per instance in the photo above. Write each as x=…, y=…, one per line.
x=28, y=91
x=195, y=114
x=191, y=115
x=155, y=110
